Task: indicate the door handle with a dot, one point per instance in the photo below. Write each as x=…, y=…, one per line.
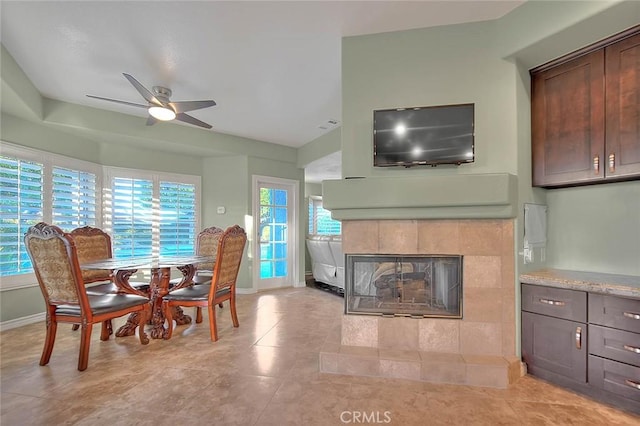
x=578, y=337
x=631, y=315
x=631, y=348
x=552, y=302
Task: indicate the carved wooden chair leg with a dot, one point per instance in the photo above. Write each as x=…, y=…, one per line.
x=74, y=327
x=169, y=316
x=85, y=341
x=234, y=313
x=104, y=332
x=52, y=327
x=221, y=305
x=198, y=315
x=144, y=339
x=213, y=327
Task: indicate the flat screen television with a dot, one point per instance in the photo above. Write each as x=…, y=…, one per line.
x=423, y=136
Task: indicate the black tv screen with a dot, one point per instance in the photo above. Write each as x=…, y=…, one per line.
x=426, y=135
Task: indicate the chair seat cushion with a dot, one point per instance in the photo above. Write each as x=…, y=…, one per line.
x=104, y=303
x=195, y=292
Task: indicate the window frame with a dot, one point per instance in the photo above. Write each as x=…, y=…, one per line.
x=102, y=173
x=156, y=177
x=49, y=161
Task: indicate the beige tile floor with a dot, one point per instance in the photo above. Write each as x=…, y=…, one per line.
x=263, y=373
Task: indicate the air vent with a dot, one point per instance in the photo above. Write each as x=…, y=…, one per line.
x=329, y=124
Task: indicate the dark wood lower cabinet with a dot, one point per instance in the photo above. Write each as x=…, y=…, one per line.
x=556, y=345
x=594, y=351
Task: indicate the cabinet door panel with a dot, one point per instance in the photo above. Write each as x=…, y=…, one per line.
x=568, y=122
x=550, y=344
x=623, y=107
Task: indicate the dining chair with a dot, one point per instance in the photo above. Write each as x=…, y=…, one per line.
x=54, y=258
x=221, y=287
x=206, y=245
x=93, y=244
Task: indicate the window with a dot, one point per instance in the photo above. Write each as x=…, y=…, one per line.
x=21, y=206
x=145, y=212
x=151, y=213
x=320, y=221
x=36, y=186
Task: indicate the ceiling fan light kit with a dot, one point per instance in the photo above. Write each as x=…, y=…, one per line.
x=162, y=113
x=160, y=106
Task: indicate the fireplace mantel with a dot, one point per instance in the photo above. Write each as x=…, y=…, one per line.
x=470, y=196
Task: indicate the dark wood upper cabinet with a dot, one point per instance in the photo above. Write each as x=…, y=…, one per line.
x=622, y=71
x=585, y=115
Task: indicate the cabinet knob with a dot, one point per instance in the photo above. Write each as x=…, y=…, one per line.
x=578, y=337
x=596, y=164
x=612, y=163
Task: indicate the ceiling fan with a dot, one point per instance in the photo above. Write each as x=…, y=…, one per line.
x=160, y=107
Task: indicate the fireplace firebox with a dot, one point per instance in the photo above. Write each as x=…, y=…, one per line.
x=418, y=286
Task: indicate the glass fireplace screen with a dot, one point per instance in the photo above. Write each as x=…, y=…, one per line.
x=420, y=286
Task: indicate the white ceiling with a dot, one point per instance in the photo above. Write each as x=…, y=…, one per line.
x=272, y=67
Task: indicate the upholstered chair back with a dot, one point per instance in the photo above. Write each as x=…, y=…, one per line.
x=230, y=251
x=52, y=254
x=92, y=244
x=207, y=245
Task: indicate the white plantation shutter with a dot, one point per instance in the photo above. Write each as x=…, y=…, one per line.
x=73, y=198
x=132, y=219
x=177, y=218
x=320, y=221
x=21, y=206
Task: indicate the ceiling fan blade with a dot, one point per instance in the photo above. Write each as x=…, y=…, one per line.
x=151, y=120
x=142, y=90
x=185, y=106
x=117, y=101
x=192, y=120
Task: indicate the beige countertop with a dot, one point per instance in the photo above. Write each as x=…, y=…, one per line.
x=594, y=282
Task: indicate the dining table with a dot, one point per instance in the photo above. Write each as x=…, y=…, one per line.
x=159, y=286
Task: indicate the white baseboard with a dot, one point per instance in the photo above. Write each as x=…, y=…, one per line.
x=300, y=284
x=19, y=322
x=245, y=290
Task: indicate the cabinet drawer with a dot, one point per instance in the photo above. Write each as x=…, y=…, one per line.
x=617, y=345
x=555, y=302
x=616, y=312
x=555, y=345
x=615, y=377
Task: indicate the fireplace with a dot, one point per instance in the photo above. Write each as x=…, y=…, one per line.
x=419, y=286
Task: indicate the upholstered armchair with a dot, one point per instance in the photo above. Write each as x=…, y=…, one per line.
x=221, y=287
x=55, y=262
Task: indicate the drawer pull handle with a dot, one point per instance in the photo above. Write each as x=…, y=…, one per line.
x=553, y=302
x=578, y=337
x=632, y=349
x=631, y=315
x=632, y=384
x=596, y=164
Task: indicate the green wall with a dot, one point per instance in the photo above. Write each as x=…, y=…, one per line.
x=433, y=66
x=595, y=228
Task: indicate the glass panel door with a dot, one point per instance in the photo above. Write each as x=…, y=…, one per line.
x=274, y=234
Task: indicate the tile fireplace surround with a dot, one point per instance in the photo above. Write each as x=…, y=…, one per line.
x=477, y=350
